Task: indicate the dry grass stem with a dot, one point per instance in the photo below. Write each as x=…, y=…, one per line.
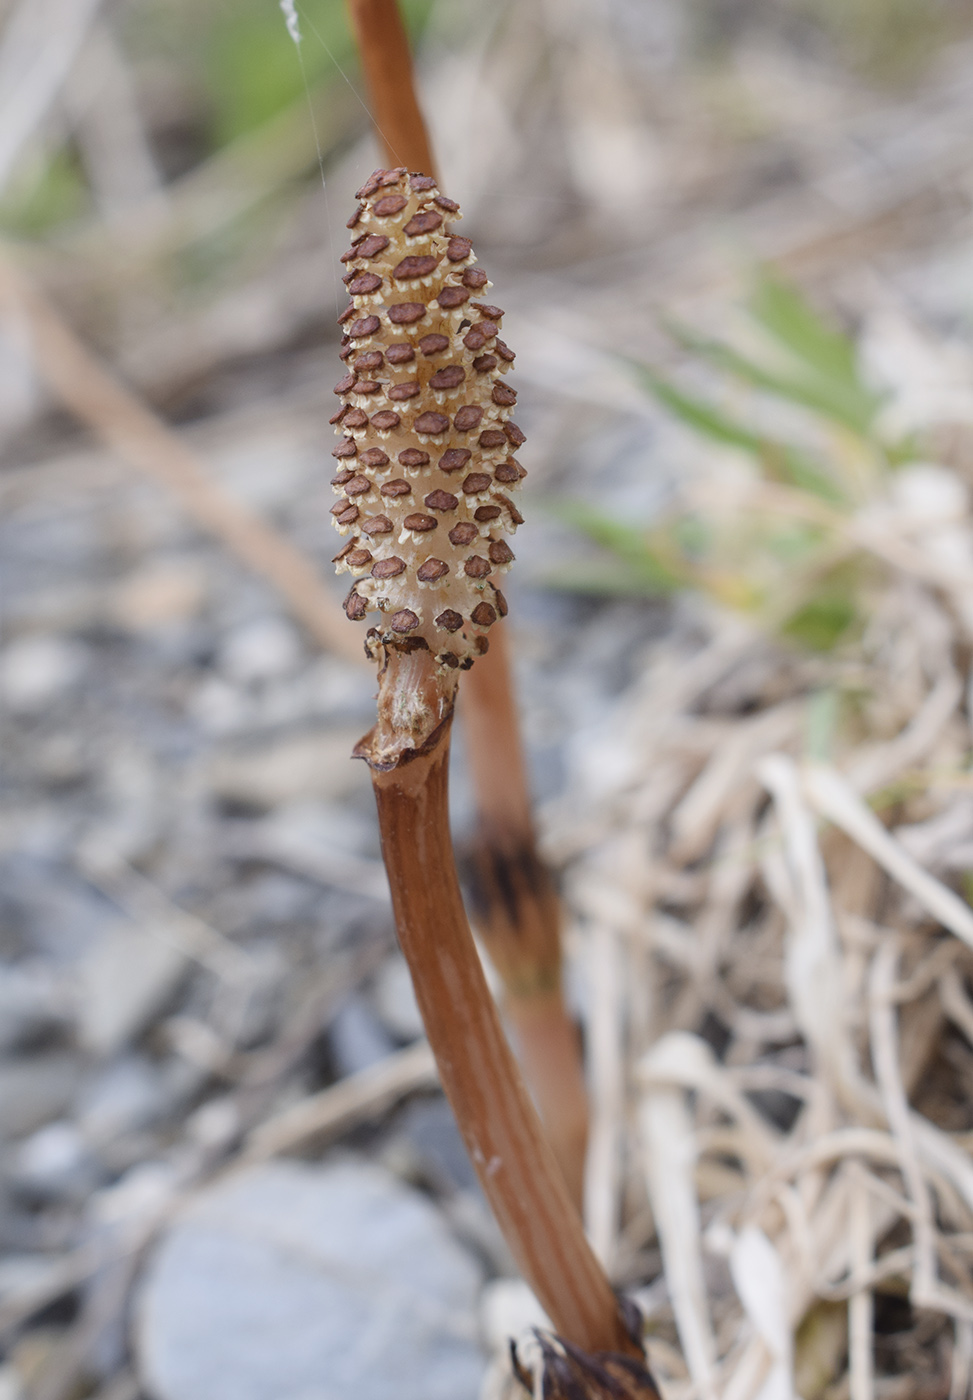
x=795, y=927
x=354, y=1099
x=98, y=399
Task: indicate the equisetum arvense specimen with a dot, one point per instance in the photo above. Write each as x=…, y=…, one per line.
x=518, y=912
x=427, y=472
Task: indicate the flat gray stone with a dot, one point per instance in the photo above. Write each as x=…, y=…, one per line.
x=35, y=1089
x=30, y=1006
x=357, y=1038
x=306, y=1282
x=124, y=980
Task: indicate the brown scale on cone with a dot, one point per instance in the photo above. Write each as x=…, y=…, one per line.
x=424, y=427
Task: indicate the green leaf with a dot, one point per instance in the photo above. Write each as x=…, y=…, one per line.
x=700, y=415
x=607, y=579
x=851, y=405
x=779, y=460
x=781, y=309
x=822, y=621
x=252, y=69
x=58, y=194
x=821, y=723
x=645, y=570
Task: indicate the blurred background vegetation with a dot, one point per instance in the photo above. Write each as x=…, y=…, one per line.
x=734, y=239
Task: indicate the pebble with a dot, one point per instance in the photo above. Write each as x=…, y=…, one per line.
x=125, y=1096
x=34, y=671
x=124, y=981
x=218, y=708
x=395, y=1001
x=357, y=1038
x=261, y=650
x=34, y=1089
x=286, y=770
x=30, y=1009
x=301, y=1282
x=10, y=1384
x=159, y=595
x=54, y=1164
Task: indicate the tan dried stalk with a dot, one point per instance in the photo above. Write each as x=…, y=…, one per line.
x=90, y=390
x=518, y=912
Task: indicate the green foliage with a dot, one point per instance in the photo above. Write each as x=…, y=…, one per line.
x=252, y=70
x=234, y=68
x=641, y=569
x=781, y=309
x=56, y=194
x=776, y=560
x=780, y=461
x=821, y=723
x=821, y=622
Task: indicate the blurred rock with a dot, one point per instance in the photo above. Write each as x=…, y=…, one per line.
x=395, y=1000
x=30, y=1006
x=303, y=1282
x=260, y=651
x=23, y=1273
x=132, y=810
x=50, y=910
x=311, y=765
x=54, y=1164
x=159, y=595
x=10, y=1384
x=61, y=760
x=35, y=1089
x=357, y=1038
x=124, y=981
x=430, y=1129
x=34, y=671
x=125, y=1096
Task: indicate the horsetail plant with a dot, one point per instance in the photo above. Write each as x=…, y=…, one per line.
x=426, y=484
x=518, y=913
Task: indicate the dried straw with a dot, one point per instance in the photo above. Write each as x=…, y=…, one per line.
x=795, y=982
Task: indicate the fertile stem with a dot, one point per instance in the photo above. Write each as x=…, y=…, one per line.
x=503, y=1135
x=518, y=912
x=387, y=62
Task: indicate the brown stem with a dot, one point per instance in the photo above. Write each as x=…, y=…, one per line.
x=387, y=61
x=508, y=1147
x=518, y=912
